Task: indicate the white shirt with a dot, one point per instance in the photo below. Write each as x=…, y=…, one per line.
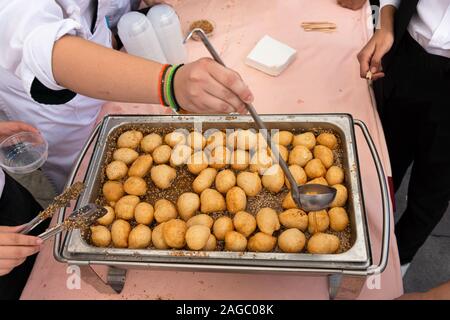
x=29, y=30
x=430, y=26
x=2, y=181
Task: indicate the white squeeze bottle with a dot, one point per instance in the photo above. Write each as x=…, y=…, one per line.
x=168, y=29
x=139, y=38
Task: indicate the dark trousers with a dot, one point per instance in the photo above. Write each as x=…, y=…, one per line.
x=17, y=206
x=415, y=111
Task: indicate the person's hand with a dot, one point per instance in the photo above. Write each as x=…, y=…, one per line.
x=352, y=4
x=9, y=128
x=370, y=56
x=205, y=86
x=15, y=248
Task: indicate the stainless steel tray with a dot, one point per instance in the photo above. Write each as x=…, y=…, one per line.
x=357, y=260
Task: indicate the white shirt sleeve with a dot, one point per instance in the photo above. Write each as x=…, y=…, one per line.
x=395, y=3
x=29, y=30
x=2, y=182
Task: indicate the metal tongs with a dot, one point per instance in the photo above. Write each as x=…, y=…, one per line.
x=309, y=197
x=78, y=219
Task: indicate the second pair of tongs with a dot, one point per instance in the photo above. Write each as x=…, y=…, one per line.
x=309, y=197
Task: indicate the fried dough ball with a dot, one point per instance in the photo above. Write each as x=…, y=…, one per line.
x=225, y=180
x=261, y=242
x=141, y=166
x=150, y=142
x=260, y=162
x=323, y=243
x=288, y=202
x=188, y=204
x=130, y=139
x=236, y=200
x=240, y=160
x=282, y=150
x=306, y=139
x=112, y=191
x=294, y=218
x=162, y=154
x=204, y=180
x=216, y=139
x=212, y=201
x=338, y=219
x=328, y=140
x=100, y=236
x=221, y=226
x=249, y=182
x=197, y=162
x=244, y=223
x=245, y=139
x=163, y=176
x=261, y=143
x=125, y=207
x=196, y=140
x=267, y=221
x=315, y=169
x=320, y=180
x=197, y=237
x=273, y=179
x=300, y=155
x=125, y=155
x=108, y=218
x=283, y=138
x=325, y=155
x=116, y=170
x=140, y=237
x=135, y=186
x=200, y=219
x=299, y=175
x=175, y=138
x=174, y=233
x=165, y=211
x=211, y=244
x=318, y=221
x=335, y=175
x=291, y=241
x=180, y=155
x=341, y=196
x=158, y=238
x=144, y=213
x=120, y=231
x=220, y=158
x=234, y=241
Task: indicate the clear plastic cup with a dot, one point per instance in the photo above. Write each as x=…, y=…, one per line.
x=23, y=152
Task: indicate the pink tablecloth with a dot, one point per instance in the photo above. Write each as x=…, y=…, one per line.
x=324, y=78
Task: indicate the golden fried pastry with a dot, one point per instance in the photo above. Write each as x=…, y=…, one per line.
x=260, y=161
x=135, y=186
x=236, y=200
x=335, y=175
x=161, y=154
x=141, y=166
x=306, y=139
x=283, y=138
x=221, y=226
x=244, y=223
x=318, y=221
x=174, y=138
x=108, y=218
x=288, y=202
x=215, y=139
x=116, y=170
x=158, y=237
x=300, y=156
x=163, y=176
x=140, y=237
x=282, y=150
x=165, y=211
x=196, y=140
x=249, y=182
x=240, y=160
x=323, y=243
x=125, y=207
x=174, y=233
x=225, y=180
x=144, y=213
x=113, y=191
x=120, y=231
x=130, y=139
x=315, y=169
x=204, y=180
x=320, y=180
x=291, y=241
x=325, y=155
x=197, y=162
x=200, y=219
x=261, y=242
x=150, y=142
x=299, y=175
x=188, y=204
x=294, y=218
x=180, y=155
x=220, y=157
x=338, y=219
x=212, y=201
x=211, y=244
x=267, y=221
x=273, y=179
x=234, y=241
x=245, y=139
x=328, y=140
x=125, y=155
x=341, y=196
x=197, y=237
x=100, y=236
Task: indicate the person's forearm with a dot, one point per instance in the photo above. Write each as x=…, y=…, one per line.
x=103, y=73
x=387, y=15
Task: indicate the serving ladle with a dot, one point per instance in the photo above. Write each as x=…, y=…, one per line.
x=309, y=197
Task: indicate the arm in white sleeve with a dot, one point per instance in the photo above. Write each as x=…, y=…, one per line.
x=29, y=30
x=395, y=3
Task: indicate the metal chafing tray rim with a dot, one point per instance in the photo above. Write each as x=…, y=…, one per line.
x=357, y=258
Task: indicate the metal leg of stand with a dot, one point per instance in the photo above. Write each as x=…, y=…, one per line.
x=115, y=279
x=344, y=287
